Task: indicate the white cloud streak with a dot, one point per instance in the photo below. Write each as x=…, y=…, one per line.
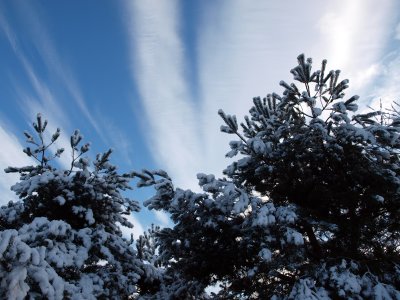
x=354, y=36
x=157, y=64
x=245, y=54
x=244, y=48
x=10, y=155
x=162, y=218
x=137, y=229
x=61, y=71
x=387, y=89
x=46, y=100
x=55, y=64
x=240, y=57
x=46, y=103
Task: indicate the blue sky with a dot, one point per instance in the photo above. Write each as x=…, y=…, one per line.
x=148, y=77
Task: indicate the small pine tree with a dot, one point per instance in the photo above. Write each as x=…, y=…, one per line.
x=310, y=210
x=147, y=247
x=62, y=239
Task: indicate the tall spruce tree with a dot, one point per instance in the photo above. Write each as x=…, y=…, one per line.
x=309, y=210
x=62, y=239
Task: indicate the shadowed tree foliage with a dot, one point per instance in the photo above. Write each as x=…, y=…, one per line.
x=62, y=239
x=309, y=210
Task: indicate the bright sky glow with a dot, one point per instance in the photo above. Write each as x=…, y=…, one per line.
x=147, y=78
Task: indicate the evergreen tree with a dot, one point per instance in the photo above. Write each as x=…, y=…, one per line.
x=309, y=210
x=62, y=239
x=147, y=252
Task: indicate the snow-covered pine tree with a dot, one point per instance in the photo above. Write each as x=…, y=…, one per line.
x=219, y=237
x=62, y=240
x=147, y=252
x=310, y=210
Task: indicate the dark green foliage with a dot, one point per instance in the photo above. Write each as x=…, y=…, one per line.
x=309, y=210
x=65, y=236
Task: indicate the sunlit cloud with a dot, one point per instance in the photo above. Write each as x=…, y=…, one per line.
x=247, y=53
x=354, y=36
x=386, y=90
x=243, y=48
x=11, y=155
x=162, y=218
x=137, y=229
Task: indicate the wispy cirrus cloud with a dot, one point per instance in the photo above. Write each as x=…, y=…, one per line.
x=355, y=36
x=44, y=101
x=40, y=95
x=10, y=155
x=157, y=65
x=387, y=88
x=243, y=49
x=55, y=64
x=358, y=38
x=45, y=97
x=162, y=218
x=246, y=47
x=137, y=229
